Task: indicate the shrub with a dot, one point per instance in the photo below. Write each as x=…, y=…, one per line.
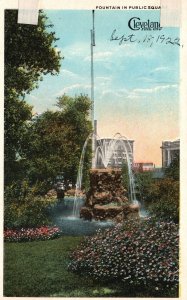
x=28, y=235
x=173, y=171
x=165, y=200
x=142, y=253
x=144, y=185
x=32, y=212
x=23, y=208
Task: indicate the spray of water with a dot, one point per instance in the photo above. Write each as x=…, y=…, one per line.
x=79, y=178
x=104, y=152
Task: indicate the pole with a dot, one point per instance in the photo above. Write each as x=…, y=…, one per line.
x=92, y=81
x=92, y=90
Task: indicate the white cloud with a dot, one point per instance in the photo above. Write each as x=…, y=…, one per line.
x=114, y=93
x=74, y=88
x=140, y=93
x=162, y=69
x=82, y=51
x=105, y=78
x=103, y=82
x=100, y=56
x=168, y=86
x=146, y=79
x=135, y=93
x=155, y=89
x=78, y=50
x=132, y=50
x=67, y=73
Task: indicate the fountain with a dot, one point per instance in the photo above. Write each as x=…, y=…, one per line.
x=108, y=182
x=107, y=150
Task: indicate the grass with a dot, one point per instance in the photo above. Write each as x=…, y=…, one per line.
x=35, y=269
x=39, y=269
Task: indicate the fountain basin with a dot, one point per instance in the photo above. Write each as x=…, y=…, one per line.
x=75, y=226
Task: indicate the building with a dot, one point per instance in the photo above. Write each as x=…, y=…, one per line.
x=113, y=152
x=169, y=150
x=143, y=166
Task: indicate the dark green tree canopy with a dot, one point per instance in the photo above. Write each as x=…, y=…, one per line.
x=55, y=140
x=29, y=53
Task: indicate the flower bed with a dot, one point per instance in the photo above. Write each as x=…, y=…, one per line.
x=32, y=234
x=138, y=253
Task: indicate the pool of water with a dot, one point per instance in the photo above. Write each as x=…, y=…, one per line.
x=73, y=225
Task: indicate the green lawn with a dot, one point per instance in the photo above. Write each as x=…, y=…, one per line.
x=40, y=269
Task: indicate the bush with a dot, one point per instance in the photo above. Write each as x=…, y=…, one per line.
x=22, y=208
x=173, y=171
x=165, y=200
x=144, y=184
x=31, y=213
x=138, y=254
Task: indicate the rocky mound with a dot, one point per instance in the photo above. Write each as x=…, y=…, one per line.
x=107, y=198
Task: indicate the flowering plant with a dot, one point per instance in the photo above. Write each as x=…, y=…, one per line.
x=139, y=253
x=32, y=234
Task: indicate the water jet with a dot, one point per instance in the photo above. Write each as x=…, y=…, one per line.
x=107, y=198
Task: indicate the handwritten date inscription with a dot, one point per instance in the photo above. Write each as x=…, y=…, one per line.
x=148, y=39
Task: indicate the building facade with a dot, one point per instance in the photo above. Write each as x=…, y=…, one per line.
x=169, y=150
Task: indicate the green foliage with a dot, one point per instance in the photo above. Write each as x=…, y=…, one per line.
x=49, y=145
x=161, y=197
x=144, y=182
x=23, y=208
x=165, y=199
x=125, y=176
x=55, y=141
x=17, y=112
x=173, y=171
x=29, y=53
x=17, y=191
x=28, y=214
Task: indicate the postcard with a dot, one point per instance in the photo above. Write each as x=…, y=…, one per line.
x=94, y=149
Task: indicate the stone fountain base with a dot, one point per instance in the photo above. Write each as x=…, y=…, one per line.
x=107, y=198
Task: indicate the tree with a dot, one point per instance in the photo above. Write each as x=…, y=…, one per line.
x=29, y=53
x=144, y=183
x=165, y=199
x=165, y=194
x=76, y=115
x=55, y=141
x=125, y=176
x=17, y=112
x=173, y=171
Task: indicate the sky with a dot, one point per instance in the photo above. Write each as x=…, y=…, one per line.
x=136, y=85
